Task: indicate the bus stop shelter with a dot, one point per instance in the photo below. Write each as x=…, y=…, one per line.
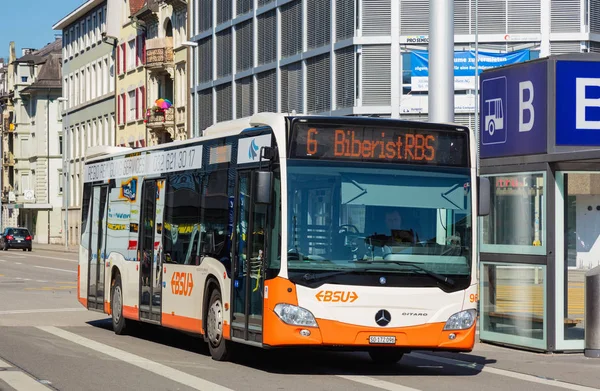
x=539, y=140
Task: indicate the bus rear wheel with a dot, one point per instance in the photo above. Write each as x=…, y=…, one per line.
x=219, y=347
x=388, y=356
x=116, y=306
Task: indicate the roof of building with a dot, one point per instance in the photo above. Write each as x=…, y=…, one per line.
x=50, y=76
x=76, y=14
x=39, y=56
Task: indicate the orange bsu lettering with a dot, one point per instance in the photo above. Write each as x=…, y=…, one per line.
x=336, y=296
x=182, y=283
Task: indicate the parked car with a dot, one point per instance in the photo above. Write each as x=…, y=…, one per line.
x=15, y=237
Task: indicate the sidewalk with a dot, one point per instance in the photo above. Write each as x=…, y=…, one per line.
x=55, y=247
x=572, y=368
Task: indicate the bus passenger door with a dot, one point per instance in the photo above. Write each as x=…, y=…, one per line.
x=150, y=250
x=96, y=257
x=248, y=284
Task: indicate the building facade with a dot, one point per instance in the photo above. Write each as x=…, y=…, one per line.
x=9, y=217
x=88, y=104
x=348, y=57
x=164, y=24
x=33, y=154
x=131, y=77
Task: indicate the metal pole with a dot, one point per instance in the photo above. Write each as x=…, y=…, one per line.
x=441, y=61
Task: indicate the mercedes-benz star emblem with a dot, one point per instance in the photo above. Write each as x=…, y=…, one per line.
x=383, y=318
x=382, y=280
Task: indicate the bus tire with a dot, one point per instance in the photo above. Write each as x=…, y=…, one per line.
x=385, y=356
x=116, y=306
x=219, y=347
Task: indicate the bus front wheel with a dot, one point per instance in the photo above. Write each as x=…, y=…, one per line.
x=219, y=347
x=116, y=306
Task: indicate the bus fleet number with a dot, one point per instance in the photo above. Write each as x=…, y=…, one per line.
x=182, y=283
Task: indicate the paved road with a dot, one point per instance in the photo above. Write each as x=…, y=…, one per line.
x=47, y=341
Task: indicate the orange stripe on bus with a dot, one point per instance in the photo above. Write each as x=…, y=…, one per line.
x=226, y=330
x=182, y=322
x=83, y=301
x=426, y=335
x=131, y=312
x=107, y=307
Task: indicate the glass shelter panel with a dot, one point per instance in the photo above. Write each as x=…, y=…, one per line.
x=581, y=244
x=517, y=215
x=513, y=304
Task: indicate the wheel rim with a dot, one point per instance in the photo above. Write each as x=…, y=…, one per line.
x=117, y=304
x=215, y=323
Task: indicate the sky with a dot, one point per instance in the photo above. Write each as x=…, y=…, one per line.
x=29, y=22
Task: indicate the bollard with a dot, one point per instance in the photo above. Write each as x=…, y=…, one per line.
x=592, y=313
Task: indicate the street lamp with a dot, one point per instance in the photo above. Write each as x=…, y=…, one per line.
x=66, y=165
x=189, y=44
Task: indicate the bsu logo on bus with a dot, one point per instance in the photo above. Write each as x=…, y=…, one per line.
x=252, y=150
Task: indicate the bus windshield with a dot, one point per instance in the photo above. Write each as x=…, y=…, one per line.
x=365, y=218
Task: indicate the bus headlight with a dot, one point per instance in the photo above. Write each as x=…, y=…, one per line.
x=461, y=320
x=294, y=315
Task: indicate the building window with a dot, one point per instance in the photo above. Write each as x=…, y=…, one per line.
x=61, y=180
x=517, y=216
x=60, y=145
x=131, y=54
x=132, y=104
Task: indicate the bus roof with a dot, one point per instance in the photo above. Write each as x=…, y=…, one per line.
x=237, y=126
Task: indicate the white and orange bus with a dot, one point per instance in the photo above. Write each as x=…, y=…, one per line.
x=280, y=231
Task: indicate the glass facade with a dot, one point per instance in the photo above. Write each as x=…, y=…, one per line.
x=513, y=304
x=517, y=215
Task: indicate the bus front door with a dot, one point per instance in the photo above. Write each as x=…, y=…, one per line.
x=248, y=284
x=97, y=258
x=150, y=250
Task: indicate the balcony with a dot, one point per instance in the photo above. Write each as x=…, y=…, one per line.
x=9, y=159
x=159, y=52
x=8, y=126
x=160, y=118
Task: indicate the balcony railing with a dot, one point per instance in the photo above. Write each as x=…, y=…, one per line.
x=160, y=117
x=159, y=52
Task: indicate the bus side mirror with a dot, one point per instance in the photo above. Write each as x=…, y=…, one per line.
x=483, y=189
x=263, y=185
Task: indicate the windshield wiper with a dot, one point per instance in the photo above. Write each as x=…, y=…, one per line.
x=312, y=277
x=446, y=280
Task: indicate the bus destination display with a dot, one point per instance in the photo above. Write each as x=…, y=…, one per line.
x=383, y=144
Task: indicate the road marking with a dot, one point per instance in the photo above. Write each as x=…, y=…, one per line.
x=503, y=372
x=2, y=260
x=20, y=381
x=14, y=312
x=40, y=281
x=151, y=366
x=60, y=270
x=371, y=381
x=4, y=365
x=18, y=263
x=55, y=258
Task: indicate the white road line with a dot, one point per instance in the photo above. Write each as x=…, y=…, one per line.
x=371, y=381
x=2, y=260
x=503, y=372
x=3, y=364
x=141, y=362
x=60, y=270
x=55, y=258
x=21, y=382
x=40, y=281
x=38, y=311
x=17, y=263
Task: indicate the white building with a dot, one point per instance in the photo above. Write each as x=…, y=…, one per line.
x=88, y=85
x=37, y=146
x=348, y=57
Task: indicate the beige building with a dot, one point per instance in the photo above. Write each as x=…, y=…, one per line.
x=131, y=79
x=164, y=22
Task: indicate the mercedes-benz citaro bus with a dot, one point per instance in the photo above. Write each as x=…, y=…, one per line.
x=290, y=231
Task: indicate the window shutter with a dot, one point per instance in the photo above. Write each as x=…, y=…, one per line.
x=137, y=103
x=144, y=48
x=137, y=51
x=124, y=108
x=118, y=52
x=143, y=91
x=124, y=57
x=118, y=109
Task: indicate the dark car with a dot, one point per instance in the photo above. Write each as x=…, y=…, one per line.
x=15, y=237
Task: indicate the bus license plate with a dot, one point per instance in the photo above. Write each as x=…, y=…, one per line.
x=375, y=339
